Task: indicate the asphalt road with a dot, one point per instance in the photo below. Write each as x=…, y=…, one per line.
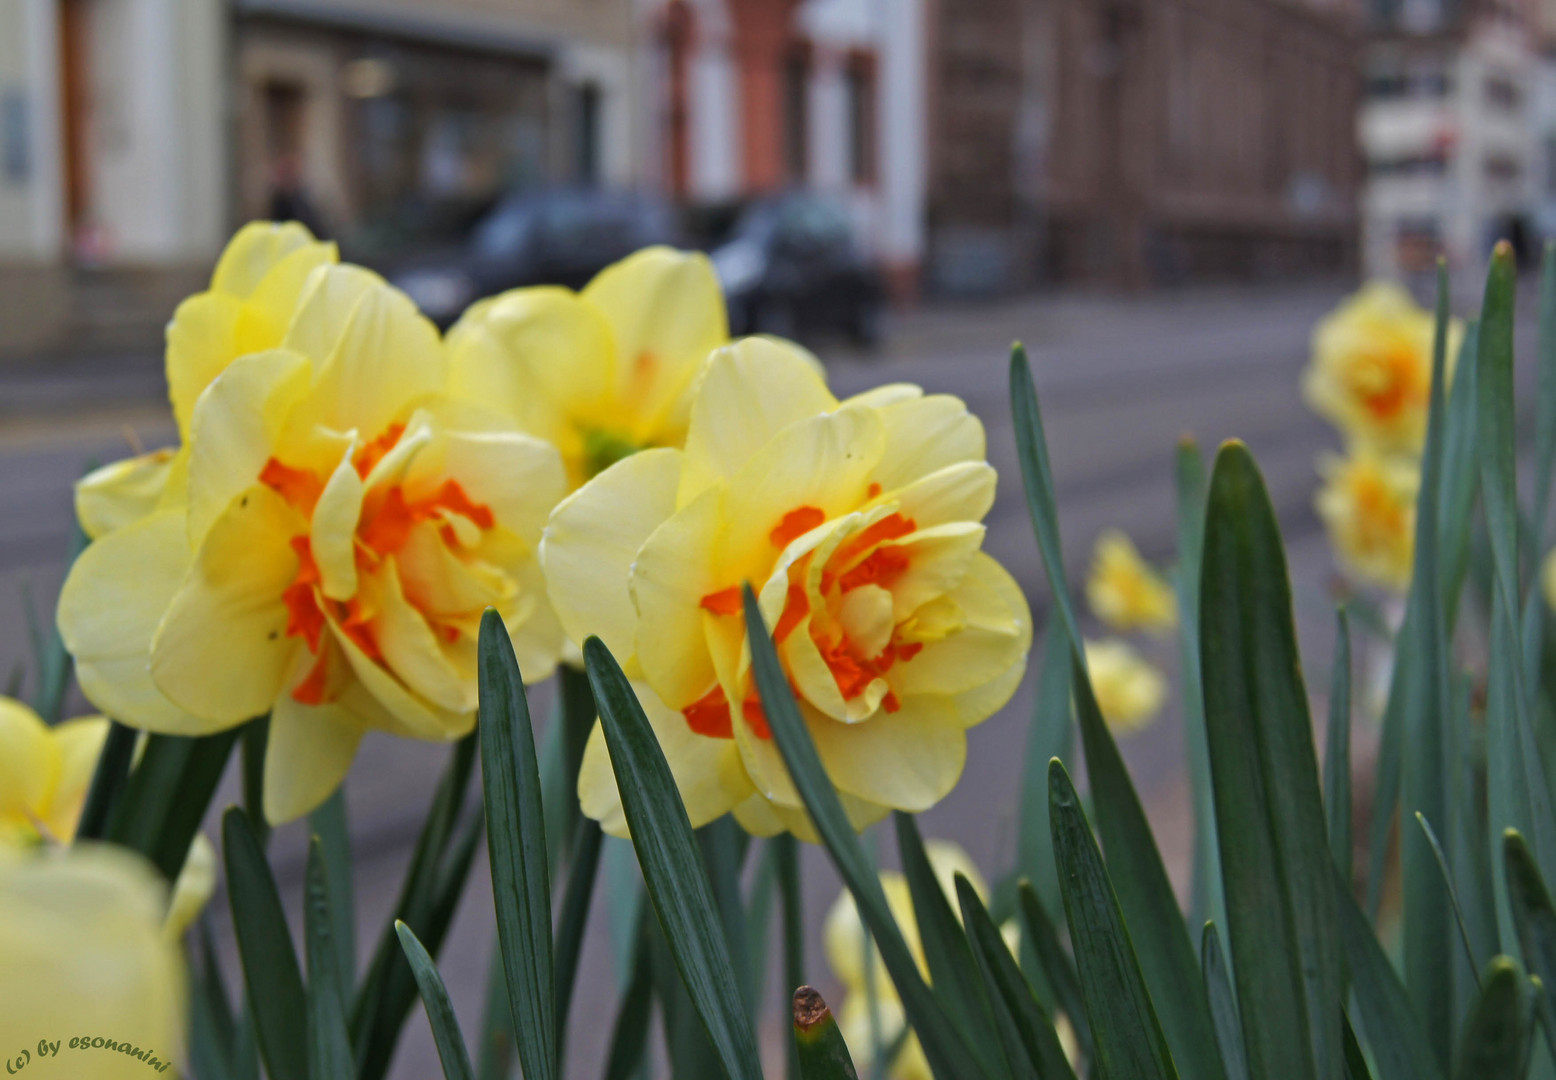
x=1120, y=381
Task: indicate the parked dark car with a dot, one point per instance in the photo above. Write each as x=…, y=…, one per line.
x=791, y=265
x=557, y=237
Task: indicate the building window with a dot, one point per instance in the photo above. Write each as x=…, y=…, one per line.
x=796, y=112
x=859, y=79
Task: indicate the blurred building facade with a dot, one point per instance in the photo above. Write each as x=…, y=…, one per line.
x=134, y=134
x=1141, y=141
x=756, y=96
x=1458, y=129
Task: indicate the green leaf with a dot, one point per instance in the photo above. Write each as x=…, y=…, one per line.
x=1535, y=921
x=1223, y=1004
x=1207, y=900
x=255, y=746
x=786, y=859
x=1050, y=735
x=1399, y=1045
x=629, y=1037
x=328, y=823
x=270, y=971
x=167, y=796
x=494, y=1055
x=1128, y=1038
x=759, y=939
x=1031, y=1044
x=1461, y=474
x=1495, y=1036
x=953, y=970
x=1056, y=966
x=575, y=917
x=1496, y=422
x=1337, y=755
x=723, y=846
x=1275, y=859
x=440, y=1011
x=1355, y=1061
x=677, y=883
x=1424, y=684
x=1545, y=396
x=439, y=866
x=819, y=1045
x=329, y=1045
x=1145, y=896
x=108, y=782
x=944, y=1047
x=516, y=846
x=1037, y=477
x=1446, y=879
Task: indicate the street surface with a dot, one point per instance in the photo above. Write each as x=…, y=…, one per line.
x=1119, y=379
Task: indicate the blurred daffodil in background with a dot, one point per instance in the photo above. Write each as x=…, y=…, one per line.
x=45, y=773
x=344, y=524
x=1371, y=371
x=859, y=523
x=84, y=953
x=1124, y=590
x=1368, y=505
x=856, y=963
x=603, y=373
x=1130, y=691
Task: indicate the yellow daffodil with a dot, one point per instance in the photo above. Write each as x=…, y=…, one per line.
x=254, y=294
x=1129, y=690
x=192, y=891
x=1368, y=504
x=859, y=525
x=603, y=373
x=1371, y=372
x=345, y=524
x=44, y=772
x=84, y=958
x=847, y=948
x=1124, y=591
x=1548, y=578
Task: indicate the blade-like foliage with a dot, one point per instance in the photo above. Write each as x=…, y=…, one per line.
x=329, y=1045
x=819, y=1046
x=672, y=869
x=944, y=1046
x=167, y=796
x=1031, y=1044
x=1223, y=1004
x=1056, y=966
x=270, y=971
x=1127, y=1037
x=516, y=846
x=1337, y=753
x=1494, y=1046
x=1535, y=920
x=108, y=781
x=440, y=1011
x=575, y=916
x=1275, y=858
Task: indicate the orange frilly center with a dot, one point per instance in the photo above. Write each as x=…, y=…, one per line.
x=384, y=528
x=863, y=559
x=1390, y=383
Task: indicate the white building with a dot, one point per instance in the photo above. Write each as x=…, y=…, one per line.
x=751, y=96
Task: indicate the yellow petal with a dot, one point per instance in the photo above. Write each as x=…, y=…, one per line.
x=518, y=477
x=924, y=435
x=543, y=355
x=907, y=760
x=328, y=303
x=1129, y=690
x=592, y=539
x=310, y=751
x=410, y=714
x=960, y=492
x=253, y=251
x=333, y=531
x=222, y=650
x=938, y=559
x=82, y=953
x=109, y=609
x=234, y=430
x=202, y=339
x=536, y=632
x=672, y=573
x=410, y=649
x=995, y=636
x=30, y=764
x=80, y=742
x=666, y=312
x=707, y=770
x=752, y=389
x=192, y=891
x=385, y=358
x=116, y=495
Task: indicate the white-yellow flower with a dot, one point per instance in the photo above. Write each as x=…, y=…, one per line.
x=84, y=956
x=1129, y=690
x=1368, y=505
x=1124, y=590
x=44, y=772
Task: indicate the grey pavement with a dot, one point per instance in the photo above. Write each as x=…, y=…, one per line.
x=1120, y=381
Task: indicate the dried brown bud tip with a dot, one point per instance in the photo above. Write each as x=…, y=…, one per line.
x=810, y=1008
